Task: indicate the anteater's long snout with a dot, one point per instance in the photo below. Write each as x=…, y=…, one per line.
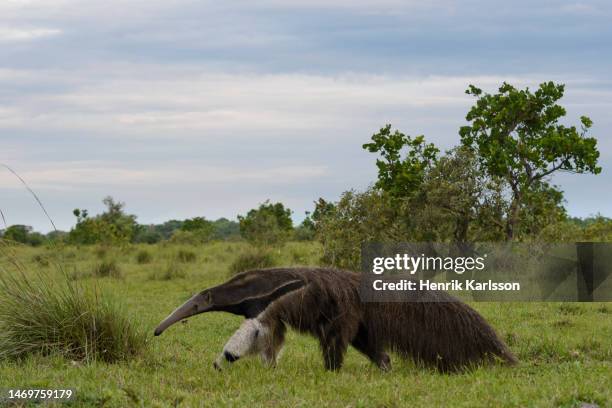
x=200, y=303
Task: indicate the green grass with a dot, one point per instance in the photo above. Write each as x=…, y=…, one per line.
x=252, y=258
x=565, y=351
x=47, y=314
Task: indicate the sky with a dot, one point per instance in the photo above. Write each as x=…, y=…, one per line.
x=208, y=108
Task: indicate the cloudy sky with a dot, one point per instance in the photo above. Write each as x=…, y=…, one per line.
x=190, y=108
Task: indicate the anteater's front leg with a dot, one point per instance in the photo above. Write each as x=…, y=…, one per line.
x=245, y=341
x=251, y=338
x=333, y=346
x=374, y=351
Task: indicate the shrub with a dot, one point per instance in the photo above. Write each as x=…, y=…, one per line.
x=41, y=260
x=143, y=257
x=107, y=268
x=187, y=238
x=47, y=316
x=252, y=259
x=268, y=225
x=101, y=252
x=170, y=272
x=185, y=256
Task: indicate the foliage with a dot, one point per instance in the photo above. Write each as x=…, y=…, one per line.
x=143, y=257
x=185, y=256
x=253, y=258
x=171, y=271
x=147, y=234
x=107, y=269
x=111, y=227
x=46, y=316
x=24, y=235
x=458, y=201
x=168, y=228
x=199, y=226
x=200, y=230
x=396, y=175
x=186, y=238
x=355, y=219
x=56, y=236
x=305, y=231
x=600, y=229
x=270, y=224
x=516, y=135
x=225, y=229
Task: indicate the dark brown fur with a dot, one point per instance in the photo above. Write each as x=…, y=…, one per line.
x=448, y=334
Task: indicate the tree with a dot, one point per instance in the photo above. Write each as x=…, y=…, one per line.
x=516, y=135
x=270, y=224
x=396, y=175
x=18, y=233
x=113, y=226
x=199, y=227
x=356, y=218
x=226, y=229
x=459, y=200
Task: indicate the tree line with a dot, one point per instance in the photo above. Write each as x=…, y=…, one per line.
x=494, y=185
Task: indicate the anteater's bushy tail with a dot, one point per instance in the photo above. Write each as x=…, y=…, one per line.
x=449, y=335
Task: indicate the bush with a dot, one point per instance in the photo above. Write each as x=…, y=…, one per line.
x=187, y=238
x=170, y=272
x=41, y=260
x=358, y=218
x=45, y=316
x=269, y=225
x=143, y=257
x=185, y=256
x=101, y=252
x=107, y=269
x=252, y=259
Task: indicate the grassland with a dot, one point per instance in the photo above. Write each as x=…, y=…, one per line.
x=565, y=349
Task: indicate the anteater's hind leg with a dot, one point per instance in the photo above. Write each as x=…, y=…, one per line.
x=373, y=351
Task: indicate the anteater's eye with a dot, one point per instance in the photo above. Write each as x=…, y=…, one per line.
x=256, y=333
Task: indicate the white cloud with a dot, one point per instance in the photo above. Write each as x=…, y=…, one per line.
x=75, y=175
x=137, y=100
x=8, y=34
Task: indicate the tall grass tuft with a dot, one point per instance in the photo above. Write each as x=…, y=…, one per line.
x=185, y=256
x=170, y=272
x=39, y=315
x=254, y=258
x=107, y=268
x=143, y=257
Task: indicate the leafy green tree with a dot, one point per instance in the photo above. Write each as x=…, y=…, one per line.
x=113, y=226
x=306, y=230
x=459, y=201
x=168, y=228
x=147, y=234
x=516, y=135
x=225, y=229
x=542, y=206
x=270, y=224
x=201, y=229
x=18, y=233
x=56, y=236
x=356, y=218
x=397, y=175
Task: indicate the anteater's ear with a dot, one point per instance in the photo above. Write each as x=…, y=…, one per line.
x=280, y=290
